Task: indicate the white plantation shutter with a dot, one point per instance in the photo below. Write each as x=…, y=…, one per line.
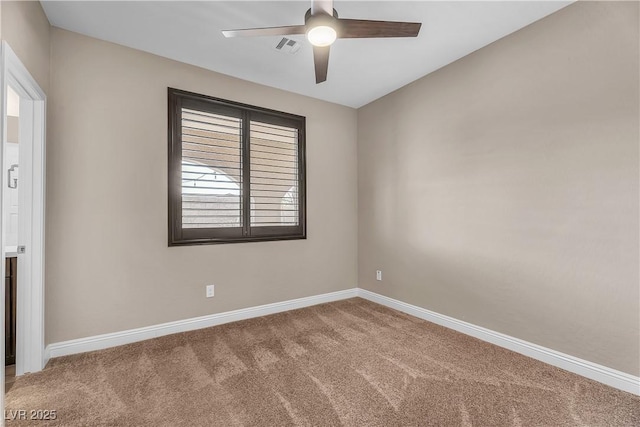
x=236, y=172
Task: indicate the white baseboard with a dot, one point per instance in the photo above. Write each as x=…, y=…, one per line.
x=608, y=376
x=603, y=374
x=100, y=342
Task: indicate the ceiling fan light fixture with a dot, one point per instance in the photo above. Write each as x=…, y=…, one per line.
x=322, y=35
x=322, y=27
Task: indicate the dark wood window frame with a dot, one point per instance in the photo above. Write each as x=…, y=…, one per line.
x=179, y=236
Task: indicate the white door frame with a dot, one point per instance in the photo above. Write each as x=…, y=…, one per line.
x=30, y=351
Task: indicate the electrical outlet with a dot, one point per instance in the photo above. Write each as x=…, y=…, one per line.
x=210, y=291
x=379, y=275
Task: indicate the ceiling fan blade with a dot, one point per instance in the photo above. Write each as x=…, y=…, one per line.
x=359, y=28
x=321, y=61
x=271, y=31
x=322, y=6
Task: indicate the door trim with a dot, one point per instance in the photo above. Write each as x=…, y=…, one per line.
x=30, y=355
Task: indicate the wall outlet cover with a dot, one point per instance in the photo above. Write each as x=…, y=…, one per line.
x=210, y=291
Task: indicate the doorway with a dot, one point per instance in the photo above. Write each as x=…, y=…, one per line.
x=22, y=126
x=10, y=218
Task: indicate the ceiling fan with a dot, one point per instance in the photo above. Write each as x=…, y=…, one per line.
x=322, y=27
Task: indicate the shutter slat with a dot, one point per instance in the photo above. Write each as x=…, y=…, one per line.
x=271, y=145
x=201, y=142
x=187, y=112
x=203, y=169
x=253, y=150
x=286, y=150
x=213, y=149
x=287, y=167
x=270, y=173
x=254, y=157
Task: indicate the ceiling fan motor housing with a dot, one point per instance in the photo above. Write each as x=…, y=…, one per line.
x=312, y=21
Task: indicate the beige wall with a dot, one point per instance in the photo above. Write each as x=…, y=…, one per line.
x=26, y=28
x=503, y=189
x=13, y=129
x=108, y=267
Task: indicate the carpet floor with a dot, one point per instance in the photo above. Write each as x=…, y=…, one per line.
x=351, y=363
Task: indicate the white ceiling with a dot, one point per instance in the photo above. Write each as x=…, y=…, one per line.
x=360, y=70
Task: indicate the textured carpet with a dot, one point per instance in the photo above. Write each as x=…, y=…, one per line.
x=351, y=363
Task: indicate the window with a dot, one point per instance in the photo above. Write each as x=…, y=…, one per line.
x=236, y=172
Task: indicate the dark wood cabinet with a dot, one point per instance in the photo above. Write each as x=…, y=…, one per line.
x=11, y=290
